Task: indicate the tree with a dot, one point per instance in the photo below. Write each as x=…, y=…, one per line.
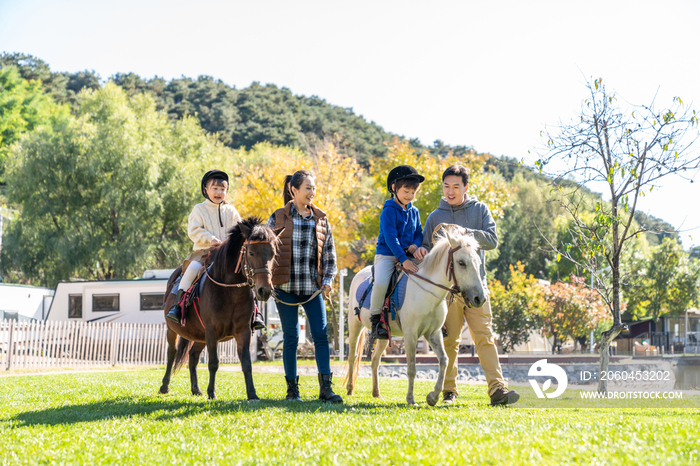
x=628, y=151
x=572, y=310
x=23, y=107
x=522, y=231
x=516, y=307
x=664, y=282
x=105, y=194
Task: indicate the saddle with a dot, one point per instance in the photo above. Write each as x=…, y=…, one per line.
x=191, y=296
x=393, y=300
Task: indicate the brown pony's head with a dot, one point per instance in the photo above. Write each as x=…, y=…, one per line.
x=257, y=254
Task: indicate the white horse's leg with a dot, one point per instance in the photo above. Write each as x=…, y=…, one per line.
x=376, y=359
x=410, y=341
x=355, y=330
x=438, y=347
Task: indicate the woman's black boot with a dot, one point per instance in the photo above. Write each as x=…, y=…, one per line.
x=293, y=389
x=326, y=393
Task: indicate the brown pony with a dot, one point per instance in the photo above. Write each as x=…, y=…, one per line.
x=242, y=262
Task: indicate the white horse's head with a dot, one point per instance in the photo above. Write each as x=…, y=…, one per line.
x=466, y=264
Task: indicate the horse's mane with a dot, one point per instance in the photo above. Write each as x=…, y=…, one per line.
x=229, y=249
x=434, y=258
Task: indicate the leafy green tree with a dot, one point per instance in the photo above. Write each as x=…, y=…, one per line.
x=62, y=86
x=105, y=194
x=665, y=282
x=516, y=307
x=524, y=230
x=23, y=107
x=628, y=151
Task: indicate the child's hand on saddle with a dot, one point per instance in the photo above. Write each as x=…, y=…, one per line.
x=215, y=241
x=420, y=253
x=411, y=249
x=410, y=266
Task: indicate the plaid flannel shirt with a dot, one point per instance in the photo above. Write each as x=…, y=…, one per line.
x=303, y=271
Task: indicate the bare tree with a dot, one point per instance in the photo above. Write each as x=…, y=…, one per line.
x=626, y=152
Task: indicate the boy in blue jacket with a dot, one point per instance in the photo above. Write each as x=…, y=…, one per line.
x=400, y=233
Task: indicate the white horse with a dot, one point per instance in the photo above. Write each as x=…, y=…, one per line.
x=424, y=309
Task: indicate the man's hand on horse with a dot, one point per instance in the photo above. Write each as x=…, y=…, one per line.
x=410, y=266
x=326, y=290
x=420, y=253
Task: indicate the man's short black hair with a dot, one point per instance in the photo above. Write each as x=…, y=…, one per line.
x=457, y=170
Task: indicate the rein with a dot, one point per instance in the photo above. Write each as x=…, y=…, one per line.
x=450, y=272
x=248, y=271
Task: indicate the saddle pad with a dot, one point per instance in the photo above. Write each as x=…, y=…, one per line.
x=198, y=280
x=396, y=300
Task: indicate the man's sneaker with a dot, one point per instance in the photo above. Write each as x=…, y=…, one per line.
x=503, y=396
x=449, y=398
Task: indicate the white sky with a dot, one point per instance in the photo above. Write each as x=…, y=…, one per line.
x=487, y=74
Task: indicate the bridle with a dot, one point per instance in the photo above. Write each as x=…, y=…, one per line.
x=242, y=263
x=450, y=272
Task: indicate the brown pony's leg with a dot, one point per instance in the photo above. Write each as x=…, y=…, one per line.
x=172, y=339
x=194, y=354
x=213, y=349
x=243, y=343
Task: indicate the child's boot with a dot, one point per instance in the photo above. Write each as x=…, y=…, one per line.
x=258, y=322
x=378, y=330
x=175, y=313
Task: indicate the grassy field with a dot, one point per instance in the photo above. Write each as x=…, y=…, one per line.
x=117, y=418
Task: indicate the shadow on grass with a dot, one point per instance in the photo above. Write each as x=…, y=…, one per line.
x=162, y=409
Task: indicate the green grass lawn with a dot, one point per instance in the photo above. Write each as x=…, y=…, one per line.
x=118, y=418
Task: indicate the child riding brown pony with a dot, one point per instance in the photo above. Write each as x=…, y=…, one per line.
x=240, y=273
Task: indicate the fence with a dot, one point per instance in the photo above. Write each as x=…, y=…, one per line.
x=33, y=345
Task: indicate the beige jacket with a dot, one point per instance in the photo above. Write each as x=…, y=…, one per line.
x=203, y=225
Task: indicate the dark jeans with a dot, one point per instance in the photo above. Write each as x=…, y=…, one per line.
x=316, y=314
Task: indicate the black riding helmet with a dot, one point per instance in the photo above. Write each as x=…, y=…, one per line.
x=402, y=172
x=213, y=175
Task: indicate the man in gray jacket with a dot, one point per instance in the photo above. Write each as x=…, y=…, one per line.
x=456, y=207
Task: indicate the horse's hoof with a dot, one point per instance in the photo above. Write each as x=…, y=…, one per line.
x=197, y=393
x=164, y=390
x=412, y=404
x=432, y=399
x=212, y=396
x=256, y=399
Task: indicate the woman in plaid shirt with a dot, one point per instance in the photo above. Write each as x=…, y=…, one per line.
x=305, y=268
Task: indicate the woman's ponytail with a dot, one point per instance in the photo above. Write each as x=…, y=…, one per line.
x=286, y=193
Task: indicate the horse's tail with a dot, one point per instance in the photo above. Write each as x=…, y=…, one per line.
x=183, y=348
x=358, y=357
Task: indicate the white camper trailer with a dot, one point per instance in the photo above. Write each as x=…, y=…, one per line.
x=24, y=302
x=137, y=301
